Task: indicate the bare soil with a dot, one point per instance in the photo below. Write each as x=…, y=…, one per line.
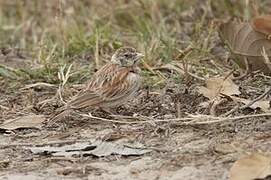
x=179, y=151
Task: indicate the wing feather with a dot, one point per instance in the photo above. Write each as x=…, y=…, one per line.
x=109, y=86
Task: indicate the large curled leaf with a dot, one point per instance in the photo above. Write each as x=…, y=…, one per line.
x=262, y=24
x=247, y=44
x=254, y=166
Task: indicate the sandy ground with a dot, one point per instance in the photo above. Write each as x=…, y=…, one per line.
x=178, y=151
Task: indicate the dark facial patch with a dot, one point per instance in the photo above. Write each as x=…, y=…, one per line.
x=126, y=56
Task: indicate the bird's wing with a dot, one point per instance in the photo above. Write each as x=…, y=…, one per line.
x=107, y=85
x=125, y=84
x=91, y=95
x=104, y=75
x=85, y=99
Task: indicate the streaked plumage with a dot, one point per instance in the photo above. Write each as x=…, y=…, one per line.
x=112, y=85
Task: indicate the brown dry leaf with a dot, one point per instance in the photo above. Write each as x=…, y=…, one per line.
x=247, y=45
x=219, y=85
x=29, y=121
x=254, y=166
x=262, y=24
x=263, y=105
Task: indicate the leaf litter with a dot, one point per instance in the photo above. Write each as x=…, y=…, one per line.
x=204, y=164
x=219, y=87
x=264, y=105
x=28, y=121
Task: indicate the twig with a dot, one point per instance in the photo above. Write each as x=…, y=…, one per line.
x=236, y=108
x=246, y=73
x=140, y=117
x=184, y=52
x=38, y=84
x=214, y=105
x=51, y=53
x=194, y=120
x=97, y=61
x=59, y=92
x=151, y=69
x=139, y=121
x=189, y=73
x=257, y=99
x=228, y=75
x=266, y=59
x=107, y=120
x=3, y=107
x=176, y=67
x=219, y=119
x=263, y=75
x=178, y=107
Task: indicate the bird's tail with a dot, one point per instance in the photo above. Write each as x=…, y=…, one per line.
x=60, y=115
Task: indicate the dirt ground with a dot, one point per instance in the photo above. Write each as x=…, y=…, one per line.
x=178, y=151
x=168, y=32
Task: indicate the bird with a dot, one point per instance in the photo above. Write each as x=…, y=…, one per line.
x=112, y=85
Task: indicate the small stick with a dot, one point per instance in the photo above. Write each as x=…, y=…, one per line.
x=180, y=69
x=178, y=107
x=236, y=108
x=3, y=107
x=38, y=84
x=257, y=99
x=104, y=119
x=266, y=59
x=191, y=120
x=214, y=106
x=230, y=119
x=97, y=62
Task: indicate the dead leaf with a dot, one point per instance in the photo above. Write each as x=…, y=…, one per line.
x=263, y=105
x=262, y=24
x=216, y=86
x=246, y=45
x=254, y=166
x=29, y=121
x=97, y=148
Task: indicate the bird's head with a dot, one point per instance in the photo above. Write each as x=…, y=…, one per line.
x=126, y=57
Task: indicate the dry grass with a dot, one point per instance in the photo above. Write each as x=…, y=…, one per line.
x=50, y=48
x=87, y=32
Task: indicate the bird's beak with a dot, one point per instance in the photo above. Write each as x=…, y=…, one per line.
x=139, y=56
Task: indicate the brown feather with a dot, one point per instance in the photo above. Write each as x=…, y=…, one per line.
x=112, y=85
